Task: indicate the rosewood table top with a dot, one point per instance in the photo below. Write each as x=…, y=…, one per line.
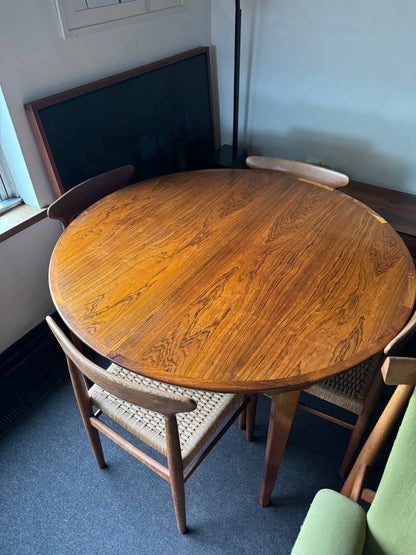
x=232, y=280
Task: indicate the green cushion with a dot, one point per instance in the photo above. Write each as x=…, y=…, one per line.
x=391, y=518
x=334, y=525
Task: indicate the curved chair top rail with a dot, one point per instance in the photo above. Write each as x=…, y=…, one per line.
x=396, y=344
x=319, y=174
x=77, y=199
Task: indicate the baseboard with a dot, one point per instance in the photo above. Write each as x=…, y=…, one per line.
x=29, y=370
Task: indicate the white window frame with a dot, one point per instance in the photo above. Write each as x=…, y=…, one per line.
x=8, y=193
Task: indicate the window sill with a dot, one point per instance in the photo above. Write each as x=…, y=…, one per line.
x=9, y=203
x=19, y=218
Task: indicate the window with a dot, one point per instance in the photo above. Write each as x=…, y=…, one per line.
x=8, y=195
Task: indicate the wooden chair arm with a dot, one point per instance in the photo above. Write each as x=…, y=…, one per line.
x=368, y=495
x=399, y=370
x=357, y=486
x=379, y=435
x=358, y=490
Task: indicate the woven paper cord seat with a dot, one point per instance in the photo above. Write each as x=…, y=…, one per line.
x=348, y=389
x=195, y=427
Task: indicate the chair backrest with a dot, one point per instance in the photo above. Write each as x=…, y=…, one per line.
x=147, y=397
x=391, y=516
x=76, y=200
x=319, y=174
x=402, y=338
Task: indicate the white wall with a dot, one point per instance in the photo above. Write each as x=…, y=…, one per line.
x=24, y=298
x=329, y=80
x=36, y=61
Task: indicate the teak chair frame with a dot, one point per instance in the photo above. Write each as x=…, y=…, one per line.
x=66, y=207
x=399, y=371
x=166, y=403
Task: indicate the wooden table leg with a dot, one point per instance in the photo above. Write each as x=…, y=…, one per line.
x=282, y=412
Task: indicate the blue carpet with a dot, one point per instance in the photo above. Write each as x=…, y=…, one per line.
x=54, y=499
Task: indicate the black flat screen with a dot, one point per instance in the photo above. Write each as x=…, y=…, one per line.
x=159, y=121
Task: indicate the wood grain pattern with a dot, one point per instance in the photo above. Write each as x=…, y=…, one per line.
x=232, y=280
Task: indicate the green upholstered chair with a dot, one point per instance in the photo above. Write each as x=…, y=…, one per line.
x=336, y=524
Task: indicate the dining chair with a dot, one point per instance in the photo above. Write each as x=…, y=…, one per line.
x=318, y=174
x=76, y=200
x=356, y=390
x=336, y=522
x=174, y=421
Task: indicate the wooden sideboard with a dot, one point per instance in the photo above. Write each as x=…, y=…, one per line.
x=397, y=208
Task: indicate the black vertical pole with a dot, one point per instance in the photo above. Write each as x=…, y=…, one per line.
x=237, y=42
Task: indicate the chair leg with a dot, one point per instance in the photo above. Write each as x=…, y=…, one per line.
x=251, y=416
x=85, y=408
x=361, y=423
x=96, y=447
x=242, y=419
x=176, y=471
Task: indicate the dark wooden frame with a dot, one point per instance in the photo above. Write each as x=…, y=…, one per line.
x=32, y=108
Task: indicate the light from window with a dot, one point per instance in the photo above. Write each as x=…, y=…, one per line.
x=8, y=194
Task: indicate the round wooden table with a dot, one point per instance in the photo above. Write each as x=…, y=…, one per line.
x=233, y=280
